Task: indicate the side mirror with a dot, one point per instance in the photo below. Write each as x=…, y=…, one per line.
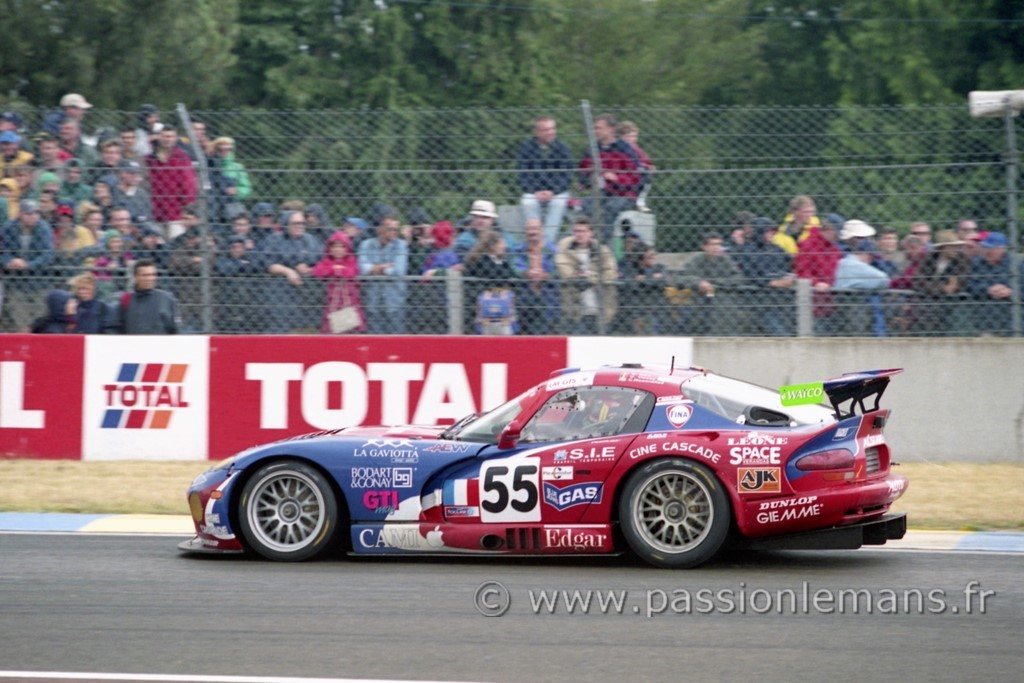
x=510, y=435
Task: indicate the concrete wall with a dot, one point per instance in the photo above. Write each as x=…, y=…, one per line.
x=957, y=399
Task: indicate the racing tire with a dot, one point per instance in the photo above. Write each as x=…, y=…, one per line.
x=674, y=513
x=287, y=512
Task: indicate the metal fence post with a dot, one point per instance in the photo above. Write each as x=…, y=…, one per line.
x=454, y=288
x=804, y=308
x=1012, y=177
x=203, y=208
x=597, y=218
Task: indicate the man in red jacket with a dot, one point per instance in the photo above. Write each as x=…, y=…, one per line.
x=817, y=257
x=172, y=182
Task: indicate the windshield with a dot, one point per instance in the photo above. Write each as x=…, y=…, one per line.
x=738, y=401
x=488, y=426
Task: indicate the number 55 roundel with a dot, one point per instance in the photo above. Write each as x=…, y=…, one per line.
x=509, y=490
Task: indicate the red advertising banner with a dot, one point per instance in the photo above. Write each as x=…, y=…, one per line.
x=41, y=396
x=267, y=388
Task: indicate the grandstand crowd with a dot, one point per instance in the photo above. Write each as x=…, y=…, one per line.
x=104, y=234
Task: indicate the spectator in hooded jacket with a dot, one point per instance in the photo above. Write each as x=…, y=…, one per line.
x=816, y=260
x=800, y=222
x=238, y=270
x=339, y=268
x=77, y=311
x=771, y=270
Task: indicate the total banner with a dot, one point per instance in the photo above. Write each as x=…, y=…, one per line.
x=198, y=397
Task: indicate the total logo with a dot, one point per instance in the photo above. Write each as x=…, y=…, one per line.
x=144, y=396
x=570, y=496
x=679, y=414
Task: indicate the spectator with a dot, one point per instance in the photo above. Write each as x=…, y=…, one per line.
x=621, y=177
x=318, y=223
x=742, y=244
x=916, y=250
x=266, y=224
x=48, y=157
x=48, y=205
x=290, y=256
x=72, y=146
x=339, y=268
x=241, y=226
x=630, y=133
x=383, y=262
x=588, y=272
x=427, y=301
x=11, y=121
x=544, y=164
x=889, y=257
x=237, y=292
x=707, y=275
x=356, y=229
x=129, y=192
x=854, y=270
x=238, y=187
x=70, y=239
x=172, y=182
x=109, y=165
x=966, y=229
x=643, y=301
x=129, y=145
x=202, y=140
x=800, y=221
x=77, y=311
x=103, y=197
x=147, y=120
x=27, y=252
x=8, y=199
x=942, y=285
x=74, y=189
x=110, y=266
x=185, y=266
x=121, y=220
x=816, y=260
x=771, y=271
x=923, y=232
x=482, y=215
x=989, y=283
x=153, y=248
x=73, y=107
x=534, y=263
x=11, y=153
x=489, y=285
x=91, y=218
x=146, y=309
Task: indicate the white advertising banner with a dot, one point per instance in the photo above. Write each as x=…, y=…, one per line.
x=145, y=398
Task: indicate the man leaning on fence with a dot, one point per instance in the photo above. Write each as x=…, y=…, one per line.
x=146, y=309
x=588, y=276
x=621, y=179
x=545, y=167
x=27, y=243
x=383, y=263
x=713, y=277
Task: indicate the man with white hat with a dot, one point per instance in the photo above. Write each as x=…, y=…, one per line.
x=855, y=229
x=72, y=106
x=481, y=220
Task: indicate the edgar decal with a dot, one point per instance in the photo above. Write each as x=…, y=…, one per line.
x=758, y=479
x=570, y=496
x=577, y=539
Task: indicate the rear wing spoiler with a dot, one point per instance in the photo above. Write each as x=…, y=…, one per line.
x=856, y=387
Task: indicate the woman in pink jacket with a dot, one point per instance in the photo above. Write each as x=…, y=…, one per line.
x=343, y=312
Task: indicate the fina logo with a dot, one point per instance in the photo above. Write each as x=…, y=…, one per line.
x=144, y=396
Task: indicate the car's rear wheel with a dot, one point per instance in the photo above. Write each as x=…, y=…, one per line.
x=674, y=513
x=287, y=512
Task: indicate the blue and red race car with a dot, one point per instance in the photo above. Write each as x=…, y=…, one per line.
x=673, y=464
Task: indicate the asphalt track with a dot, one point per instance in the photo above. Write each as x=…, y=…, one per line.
x=133, y=604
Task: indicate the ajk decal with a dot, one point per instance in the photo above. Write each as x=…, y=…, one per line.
x=144, y=396
x=759, y=479
x=679, y=414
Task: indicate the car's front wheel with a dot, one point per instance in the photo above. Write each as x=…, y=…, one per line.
x=287, y=512
x=674, y=513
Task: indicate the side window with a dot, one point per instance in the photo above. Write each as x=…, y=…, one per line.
x=589, y=412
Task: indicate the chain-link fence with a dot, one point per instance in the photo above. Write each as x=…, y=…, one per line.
x=253, y=273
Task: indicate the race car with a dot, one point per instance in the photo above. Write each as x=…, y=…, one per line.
x=673, y=464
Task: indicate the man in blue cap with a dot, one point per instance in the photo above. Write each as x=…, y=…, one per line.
x=989, y=283
x=11, y=153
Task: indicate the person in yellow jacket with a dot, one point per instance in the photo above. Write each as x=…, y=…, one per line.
x=800, y=220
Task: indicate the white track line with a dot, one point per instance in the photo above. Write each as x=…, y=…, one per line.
x=90, y=676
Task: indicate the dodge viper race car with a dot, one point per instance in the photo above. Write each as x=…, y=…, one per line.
x=673, y=464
